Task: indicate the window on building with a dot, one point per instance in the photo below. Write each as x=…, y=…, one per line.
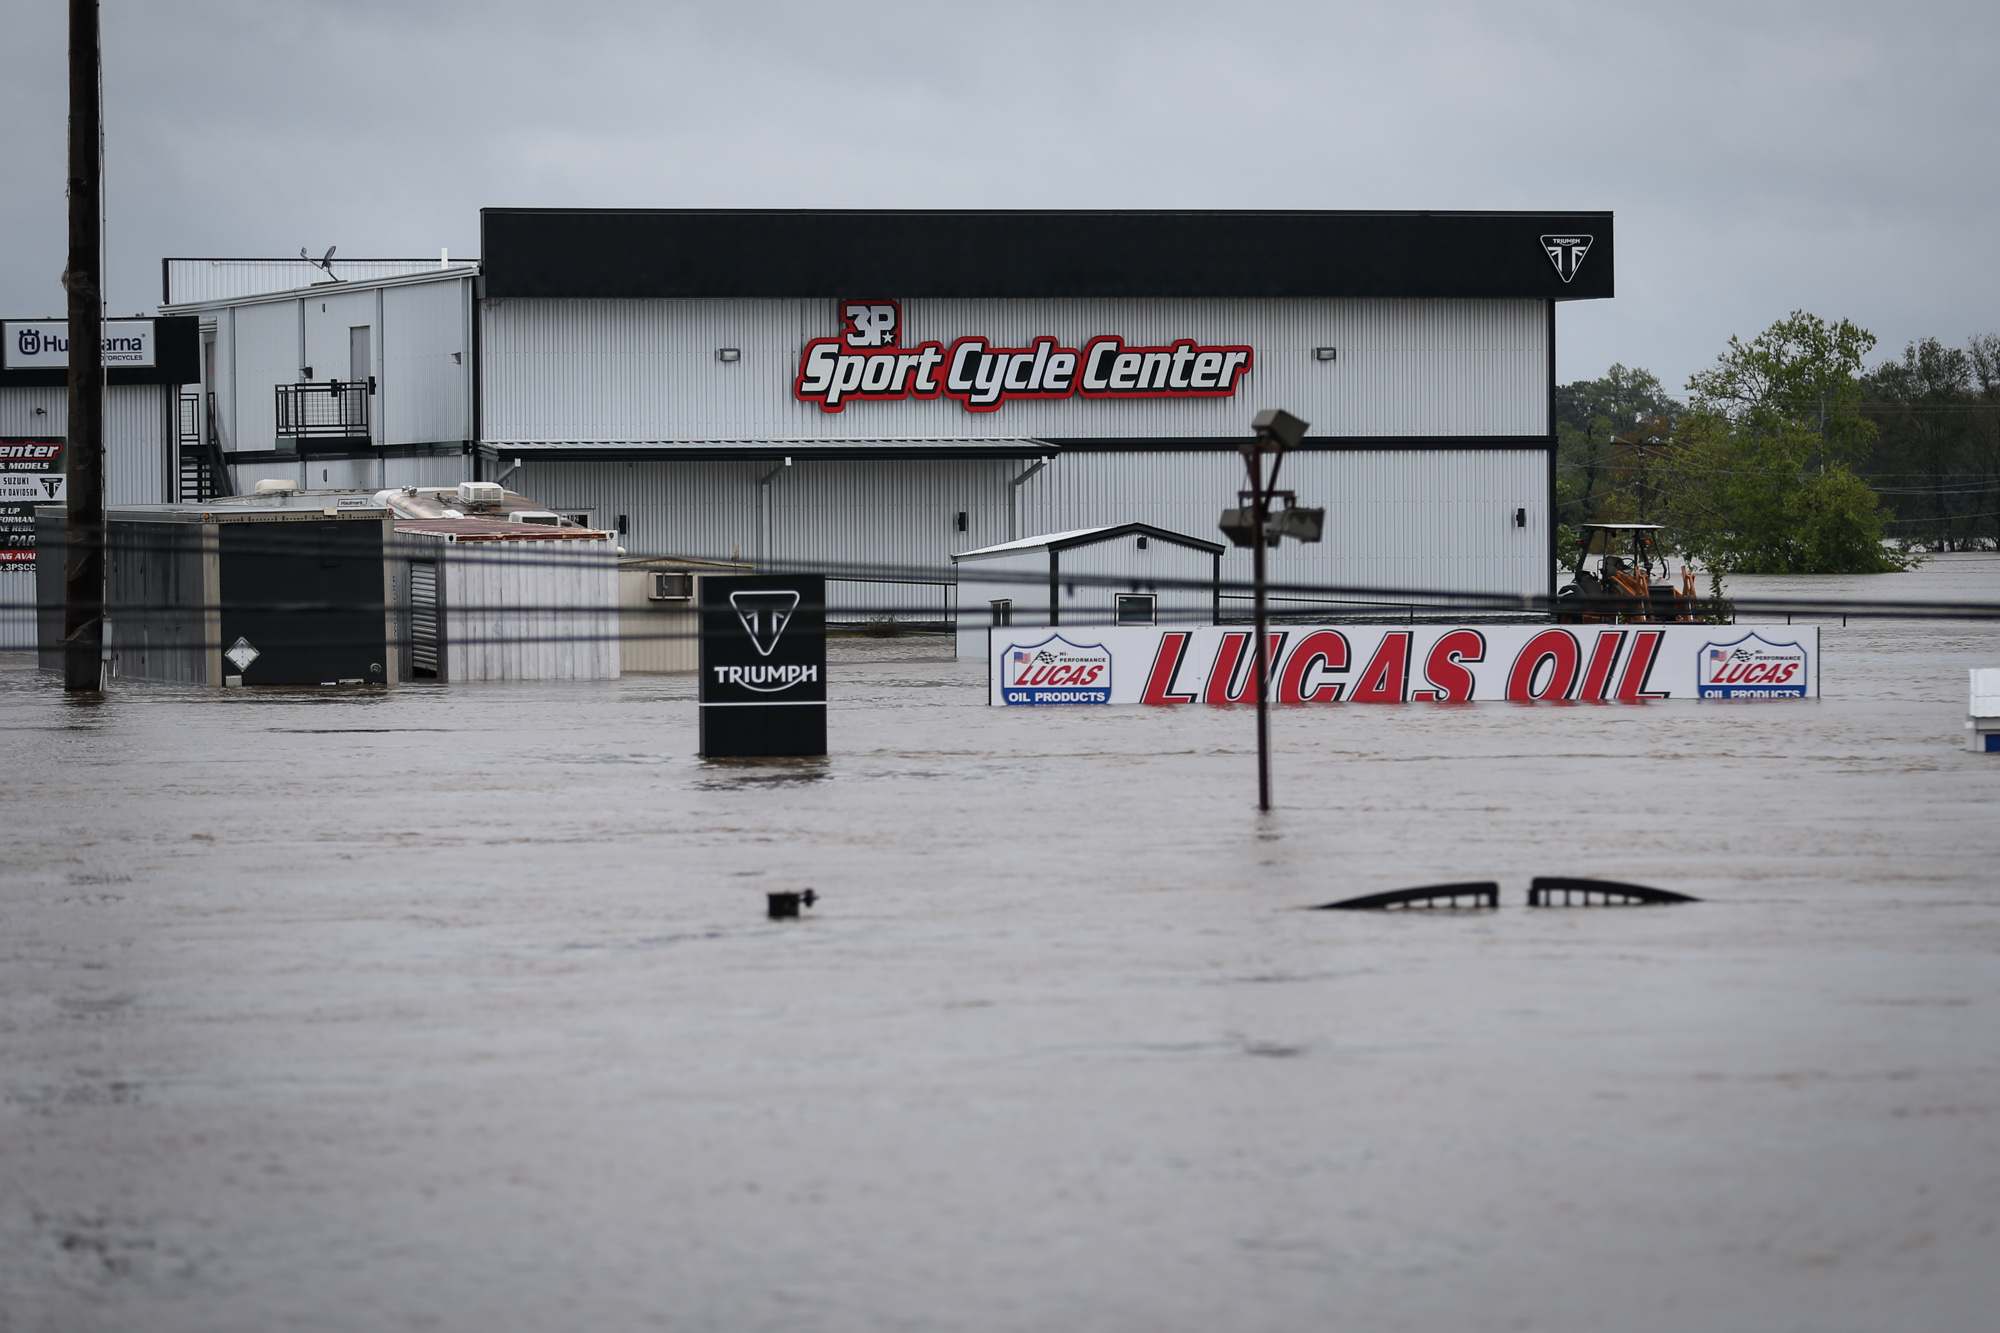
x=1003, y=611
x=1135, y=608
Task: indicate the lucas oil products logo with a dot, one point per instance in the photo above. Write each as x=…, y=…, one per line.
x=1056, y=671
x=869, y=362
x=1751, y=668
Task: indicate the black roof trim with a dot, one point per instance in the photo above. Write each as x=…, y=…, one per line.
x=1036, y=254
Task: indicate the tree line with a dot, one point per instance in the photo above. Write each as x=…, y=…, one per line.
x=1790, y=455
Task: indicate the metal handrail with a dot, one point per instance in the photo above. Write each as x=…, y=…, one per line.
x=334, y=409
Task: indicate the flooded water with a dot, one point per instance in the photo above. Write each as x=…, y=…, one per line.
x=456, y=1008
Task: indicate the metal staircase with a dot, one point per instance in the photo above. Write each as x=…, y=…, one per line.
x=203, y=474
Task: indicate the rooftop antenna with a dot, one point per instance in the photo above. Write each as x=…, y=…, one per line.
x=325, y=261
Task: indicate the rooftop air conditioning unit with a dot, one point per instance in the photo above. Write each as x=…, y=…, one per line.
x=672, y=588
x=275, y=486
x=541, y=516
x=480, y=494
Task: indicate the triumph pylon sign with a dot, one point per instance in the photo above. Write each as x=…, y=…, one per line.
x=869, y=362
x=763, y=666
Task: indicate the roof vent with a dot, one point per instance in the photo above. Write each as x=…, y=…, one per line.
x=535, y=516
x=275, y=486
x=480, y=494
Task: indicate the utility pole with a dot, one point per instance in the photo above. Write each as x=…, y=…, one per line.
x=83, y=573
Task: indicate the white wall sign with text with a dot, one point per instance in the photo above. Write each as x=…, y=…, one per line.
x=43, y=344
x=1325, y=664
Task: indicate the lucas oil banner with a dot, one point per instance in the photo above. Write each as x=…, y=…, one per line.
x=1324, y=664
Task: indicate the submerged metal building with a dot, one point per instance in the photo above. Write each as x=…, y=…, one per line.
x=887, y=388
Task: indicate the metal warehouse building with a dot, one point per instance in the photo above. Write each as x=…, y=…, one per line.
x=891, y=388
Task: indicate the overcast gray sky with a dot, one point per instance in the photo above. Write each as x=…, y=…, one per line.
x=1760, y=157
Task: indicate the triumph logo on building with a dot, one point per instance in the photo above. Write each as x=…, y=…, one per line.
x=868, y=362
x=1566, y=253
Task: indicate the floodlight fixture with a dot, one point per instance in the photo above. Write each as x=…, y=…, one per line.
x=1301, y=524
x=1274, y=423
x=1239, y=525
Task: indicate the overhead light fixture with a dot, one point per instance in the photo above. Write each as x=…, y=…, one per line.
x=1280, y=427
x=1238, y=526
x=728, y=354
x=1301, y=524
x=1325, y=353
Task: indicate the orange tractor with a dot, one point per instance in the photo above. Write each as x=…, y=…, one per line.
x=1622, y=575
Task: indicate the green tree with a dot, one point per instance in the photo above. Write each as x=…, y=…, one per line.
x=1983, y=438
x=1593, y=419
x=1759, y=478
x=1928, y=414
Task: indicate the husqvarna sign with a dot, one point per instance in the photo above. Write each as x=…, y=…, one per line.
x=1388, y=664
x=43, y=344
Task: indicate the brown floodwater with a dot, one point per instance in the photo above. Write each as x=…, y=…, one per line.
x=457, y=1008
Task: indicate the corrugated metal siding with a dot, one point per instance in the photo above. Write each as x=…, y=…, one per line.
x=17, y=609
x=647, y=370
x=855, y=513
x=1120, y=566
x=137, y=440
x=425, y=398
x=191, y=281
x=1400, y=519
x=138, y=443
x=1396, y=519
x=533, y=611
x=138, y=434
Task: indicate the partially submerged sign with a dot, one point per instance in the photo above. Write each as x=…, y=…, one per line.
x=763, y=666
x=31, y=469
x=1323, y=664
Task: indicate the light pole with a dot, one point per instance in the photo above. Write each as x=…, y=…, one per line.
x=1249, y=524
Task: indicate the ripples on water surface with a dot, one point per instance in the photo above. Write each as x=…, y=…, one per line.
x=457, y=1008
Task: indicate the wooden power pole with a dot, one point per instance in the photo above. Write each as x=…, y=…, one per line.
x=83, y=572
